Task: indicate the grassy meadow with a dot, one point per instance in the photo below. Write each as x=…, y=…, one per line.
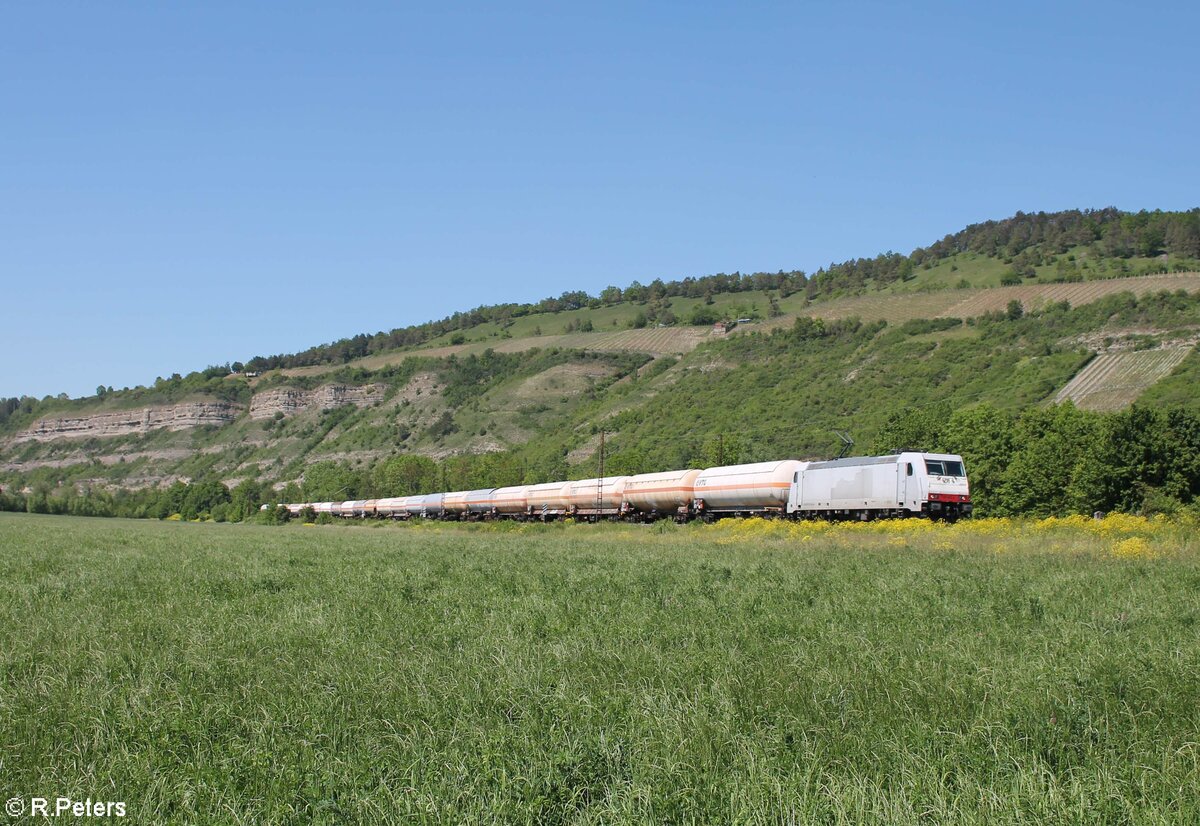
x=746, y=672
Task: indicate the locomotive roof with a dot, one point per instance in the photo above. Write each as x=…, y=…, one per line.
x=854, y=461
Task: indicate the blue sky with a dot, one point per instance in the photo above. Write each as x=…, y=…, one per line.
x=181, y=186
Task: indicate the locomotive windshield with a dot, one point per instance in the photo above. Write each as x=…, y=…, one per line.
x=944, y=467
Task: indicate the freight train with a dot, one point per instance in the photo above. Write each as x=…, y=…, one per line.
x=904, y=484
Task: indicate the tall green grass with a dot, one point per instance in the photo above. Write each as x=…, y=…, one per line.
x=238, y=674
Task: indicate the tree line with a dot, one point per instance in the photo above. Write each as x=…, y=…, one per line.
x=1058, y=459
x=1118, y=234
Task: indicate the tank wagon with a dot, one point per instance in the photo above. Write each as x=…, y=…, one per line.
x=903, y=484
x=654, y=495
x=595, y=498
x=511, y=501
x=547, y=501
x=745, y=489
x=455, y=503
x=479, y=503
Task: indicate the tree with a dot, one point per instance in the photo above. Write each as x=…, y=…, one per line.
x=405, y=476
x=983, y=436
x=1151, y=241
x=201, y=497
x=1049, y=443
x=730, y=448
x=170, y=500
x=627, y=461
x=442, y=426
x=331, y=482
x=245, y=498
x=1183, y=235
x=913, y=428
x=806, y=328
x=1137, y=454
x=1015, y=310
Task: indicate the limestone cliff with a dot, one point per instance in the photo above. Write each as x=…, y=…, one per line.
x=289, y=400
x=180, y=416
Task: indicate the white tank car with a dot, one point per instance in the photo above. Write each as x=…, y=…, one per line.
x=548, y=497
x=479, y=501
x=585, y=493
x=456, y=502
x=432, y=504
x=754, y=487
x=392, y=506
x=664, y=492
x=512, y=499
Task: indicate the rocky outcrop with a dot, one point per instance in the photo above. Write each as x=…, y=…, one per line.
x=180, y=416
x=289, y=400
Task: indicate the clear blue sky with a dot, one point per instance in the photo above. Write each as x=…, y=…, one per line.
x=181, y=186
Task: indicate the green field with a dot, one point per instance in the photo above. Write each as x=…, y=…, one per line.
x=205, y=673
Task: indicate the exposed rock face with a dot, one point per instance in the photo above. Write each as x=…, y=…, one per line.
x=288, y=400
x=180, y=416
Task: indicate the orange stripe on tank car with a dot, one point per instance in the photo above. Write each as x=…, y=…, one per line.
x=697, y=488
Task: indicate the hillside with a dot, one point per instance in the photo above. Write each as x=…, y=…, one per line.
x=522, y=393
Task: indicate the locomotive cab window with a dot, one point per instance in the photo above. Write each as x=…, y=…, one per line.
x=910, y=468
x=943, y=467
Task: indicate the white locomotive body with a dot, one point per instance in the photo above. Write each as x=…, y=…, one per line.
x=896, y=485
